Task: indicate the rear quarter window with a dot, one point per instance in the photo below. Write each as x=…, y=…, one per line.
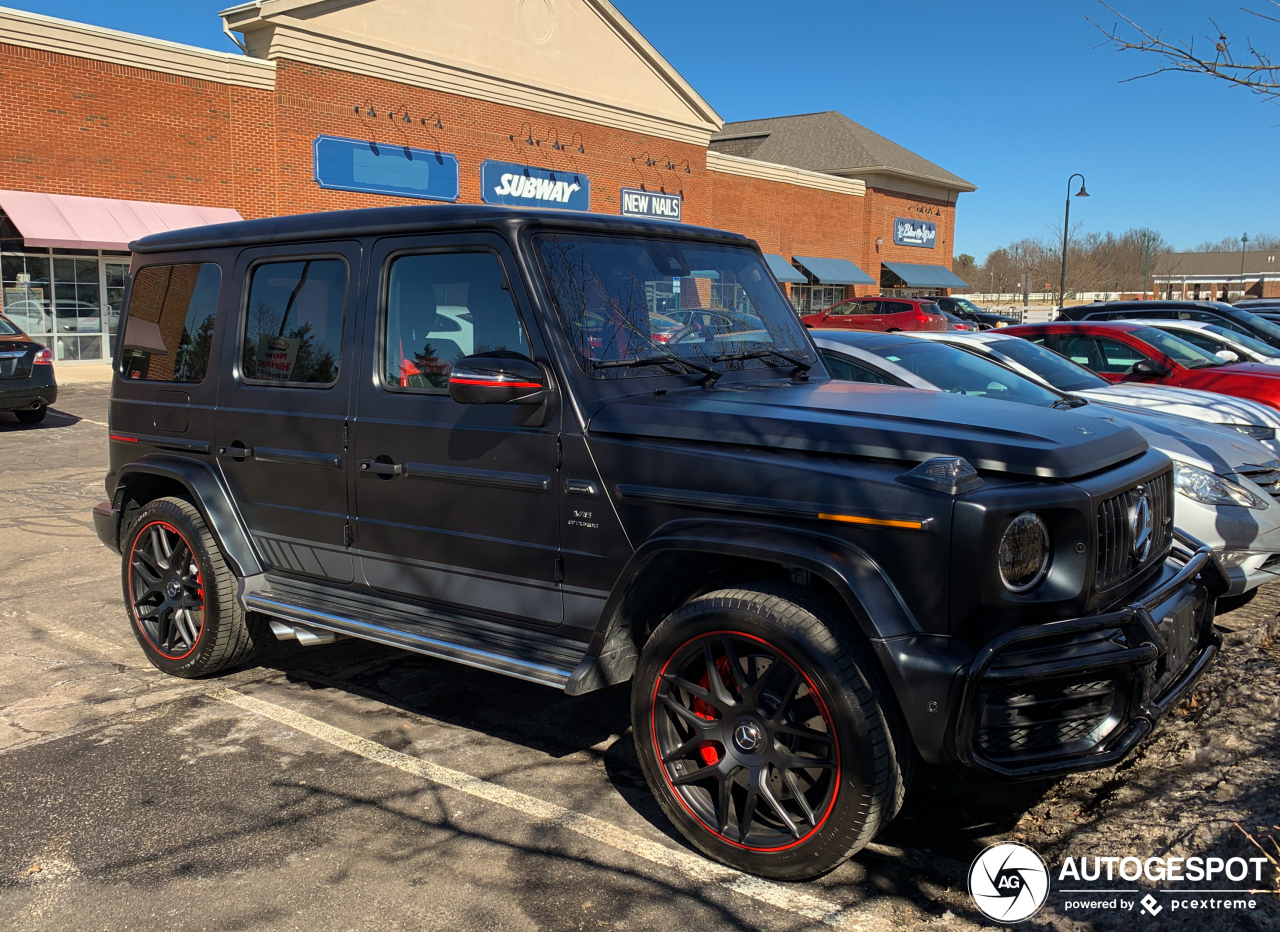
x=168, y=332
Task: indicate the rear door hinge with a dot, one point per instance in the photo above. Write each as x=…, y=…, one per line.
x=559, y=568
x=348, y=538
x=344, y=435
x=559, y=452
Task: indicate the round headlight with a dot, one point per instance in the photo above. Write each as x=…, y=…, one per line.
x=1024, y=552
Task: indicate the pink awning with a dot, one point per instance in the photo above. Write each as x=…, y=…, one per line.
x=71, y=222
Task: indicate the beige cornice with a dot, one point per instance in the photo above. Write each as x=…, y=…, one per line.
x=63, y=37
x=278, y=35
x=770, y=171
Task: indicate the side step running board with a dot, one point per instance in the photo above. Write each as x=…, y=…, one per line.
x=299, y=622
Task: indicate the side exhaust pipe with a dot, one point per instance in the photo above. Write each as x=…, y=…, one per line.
x=307, y=637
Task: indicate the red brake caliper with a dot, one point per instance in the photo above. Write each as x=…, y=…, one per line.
x=703, y=709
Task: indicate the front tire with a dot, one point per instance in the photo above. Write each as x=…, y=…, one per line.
x=760, y=733
x=180, y=592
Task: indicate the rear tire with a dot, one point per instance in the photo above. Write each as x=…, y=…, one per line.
x=783, y=762
x=32, y=415
x=180, y=593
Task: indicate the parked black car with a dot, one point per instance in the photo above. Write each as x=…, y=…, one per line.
x=27, y=385
x=1213, y=312
x=452, y=430
x=967, y=310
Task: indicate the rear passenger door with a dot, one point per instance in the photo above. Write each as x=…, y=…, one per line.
x=283, y=404
x=888, y=316
x=457, y=505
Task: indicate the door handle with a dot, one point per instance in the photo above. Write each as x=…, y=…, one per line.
x=380, y=468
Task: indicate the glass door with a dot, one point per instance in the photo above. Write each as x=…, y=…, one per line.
x=113, y=276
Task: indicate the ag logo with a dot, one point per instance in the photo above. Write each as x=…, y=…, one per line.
x=1008, y=882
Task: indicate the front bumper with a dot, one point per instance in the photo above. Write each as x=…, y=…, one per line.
x=1080, y=694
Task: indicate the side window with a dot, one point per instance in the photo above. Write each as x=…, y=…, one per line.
x=894, y=307
x=293, y=322
x=849, y=370
x=441, y=307
x=1117, y=358
x=170, y=325
x=1081, y=350
x=1206, y=341
x=854, y=308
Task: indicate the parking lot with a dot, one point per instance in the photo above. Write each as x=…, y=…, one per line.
x=357, y=787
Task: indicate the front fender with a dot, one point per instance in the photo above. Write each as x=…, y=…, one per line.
x=872, y=600
x=207, y=493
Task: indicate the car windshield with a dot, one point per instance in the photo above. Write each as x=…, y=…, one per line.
x=955, y=370
x=1179, y=350
x=617, y=298
x=1058, y=371
x=1248, y=342
x=8, y=330
x=965, y=304
x=1258, y=324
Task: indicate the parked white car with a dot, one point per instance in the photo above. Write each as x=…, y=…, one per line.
x=1228, y=486
x=1257, y=421
x=1213, y=338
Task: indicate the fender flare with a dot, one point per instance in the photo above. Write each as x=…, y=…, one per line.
x=207, y=493
x=877, y=607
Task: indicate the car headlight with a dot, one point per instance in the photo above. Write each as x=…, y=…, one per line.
x=1208, y=489
x=1024, y=552
x=1256, y=431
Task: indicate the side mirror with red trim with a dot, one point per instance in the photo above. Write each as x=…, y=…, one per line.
x=497, y=380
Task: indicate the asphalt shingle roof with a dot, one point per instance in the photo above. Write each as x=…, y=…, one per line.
x=827, y=142
x=1225, y=264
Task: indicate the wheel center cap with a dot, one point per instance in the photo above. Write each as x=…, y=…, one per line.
x=173, y=588
x=747, y=737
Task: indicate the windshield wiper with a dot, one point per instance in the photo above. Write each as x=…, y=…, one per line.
x=802, y=368
x=710, y=373
x=1067, y=402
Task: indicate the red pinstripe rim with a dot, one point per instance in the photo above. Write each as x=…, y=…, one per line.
x=162, y=577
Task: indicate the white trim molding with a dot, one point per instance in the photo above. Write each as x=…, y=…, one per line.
x=771, y=171
x=79, y=40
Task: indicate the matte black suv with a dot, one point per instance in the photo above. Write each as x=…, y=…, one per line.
x=1234, y=318
x=457, y=430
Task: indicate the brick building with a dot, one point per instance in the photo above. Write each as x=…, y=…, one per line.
x=554, y=103
x=1217, y=276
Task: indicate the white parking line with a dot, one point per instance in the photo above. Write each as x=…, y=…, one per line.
x=783, y=897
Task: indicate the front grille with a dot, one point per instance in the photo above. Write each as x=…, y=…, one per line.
x=1116, y=559
x=1046, y=719
x=1264, y=476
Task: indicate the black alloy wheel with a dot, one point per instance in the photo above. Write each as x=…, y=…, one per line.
x=166, y=589
x=745, y=740
x=181, y=593
x=766, y=732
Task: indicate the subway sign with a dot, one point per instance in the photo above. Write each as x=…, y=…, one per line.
x=530, y=186
x=633, y=202
x=383, y=168
x=908, y=232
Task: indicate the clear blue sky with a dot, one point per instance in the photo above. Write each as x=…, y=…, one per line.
x=1010, y=94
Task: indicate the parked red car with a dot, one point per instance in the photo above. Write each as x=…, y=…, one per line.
x=1134, y=352
x=879, y=313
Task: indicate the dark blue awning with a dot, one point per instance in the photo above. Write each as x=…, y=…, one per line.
x=925, y=276
x=834, y=271
x=783, y=270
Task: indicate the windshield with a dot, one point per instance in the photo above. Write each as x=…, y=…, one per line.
x=961, y=372
x=1258, y=324
x=1248, y=342
x=965, y=304
x=8, y=330
x=1180, y=351
x=1058, y=371
x=618, y=299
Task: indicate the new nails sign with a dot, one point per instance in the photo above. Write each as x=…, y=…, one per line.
x=634, y=202
x=530, y=186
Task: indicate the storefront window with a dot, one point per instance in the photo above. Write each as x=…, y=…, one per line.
x=810, y=299
x=26, y=294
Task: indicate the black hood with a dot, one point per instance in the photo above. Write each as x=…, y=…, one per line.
x=879, y=421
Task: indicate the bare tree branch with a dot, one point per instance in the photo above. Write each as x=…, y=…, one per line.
x=1254, y=70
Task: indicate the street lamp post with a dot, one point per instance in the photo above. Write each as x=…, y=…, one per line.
x=1244, y=239
x=1146, y=262
x=1066, y=229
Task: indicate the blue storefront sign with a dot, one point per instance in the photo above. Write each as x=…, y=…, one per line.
x=634, y=202
x=383, y=168
x=530, y=186
x=908, y=232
